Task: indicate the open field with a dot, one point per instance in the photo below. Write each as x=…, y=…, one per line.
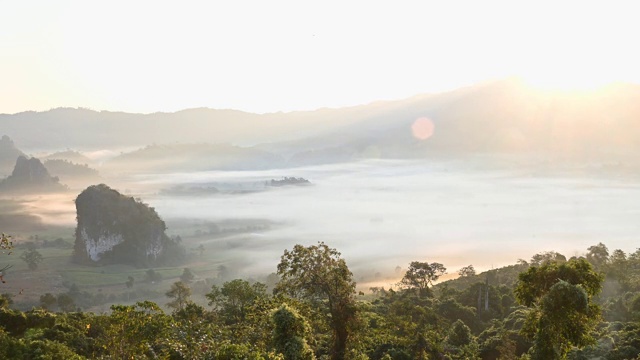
x=57, y=274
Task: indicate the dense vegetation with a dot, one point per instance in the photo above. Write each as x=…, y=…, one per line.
x=546, y=308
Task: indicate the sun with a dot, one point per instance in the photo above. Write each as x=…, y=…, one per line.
x=566, y=79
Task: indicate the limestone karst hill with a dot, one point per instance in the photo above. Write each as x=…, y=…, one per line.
x=8, y=154
x=114, y=228
x=30, y=176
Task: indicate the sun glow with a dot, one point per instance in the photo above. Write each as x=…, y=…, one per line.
x=567, y=81
x=582, y=69
x=263, y=57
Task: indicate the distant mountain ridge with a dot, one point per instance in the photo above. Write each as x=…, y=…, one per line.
x=505, y=117
x=83, y=128
x=69, y=155
x=193, y=157
x=499, y=117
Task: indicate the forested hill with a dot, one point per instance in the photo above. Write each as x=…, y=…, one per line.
x=549, y=307
x=84, y=128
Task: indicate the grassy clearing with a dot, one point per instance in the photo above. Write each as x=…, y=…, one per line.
x=109, y=275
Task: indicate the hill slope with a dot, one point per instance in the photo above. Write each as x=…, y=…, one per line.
x=9, y=153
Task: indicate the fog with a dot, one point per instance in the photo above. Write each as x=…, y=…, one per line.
x=380, y=214
x=383, y=214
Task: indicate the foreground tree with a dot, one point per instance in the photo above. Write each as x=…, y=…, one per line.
x=135, y=332
x=5, y=300
x=598, y=255
x=6, y=246
x=290, y=330
x=546, y=257
x=233, y=300
x=318, y=274
x=562, y=314
x=460, y=342
x=190, y=334
x=467, y=271
x=618, y=268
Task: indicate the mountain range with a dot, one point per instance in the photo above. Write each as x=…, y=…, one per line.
x=504, y=117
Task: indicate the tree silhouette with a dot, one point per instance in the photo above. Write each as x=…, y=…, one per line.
x=317, y=273
x=32, y=257
x=421, y=275
x=180, y=294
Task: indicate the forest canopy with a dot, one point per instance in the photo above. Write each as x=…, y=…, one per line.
x=546, y=308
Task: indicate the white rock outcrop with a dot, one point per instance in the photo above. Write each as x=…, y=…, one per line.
x=97, y=247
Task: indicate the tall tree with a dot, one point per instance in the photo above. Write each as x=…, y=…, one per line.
x=133, y=332
x=191, y=333
x=317, y=273
x=32, y=257
x=187, y=276
x=421, y=275
x=467, y=271
x=129, y=282
x=618, y=268
x=152, y=276
x=598, y=255
x=180, y=294
x=547, y=256
x=562, y=314
x=234, y=298
x=290, y=330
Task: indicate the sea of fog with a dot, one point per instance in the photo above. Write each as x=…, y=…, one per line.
x=384, y=214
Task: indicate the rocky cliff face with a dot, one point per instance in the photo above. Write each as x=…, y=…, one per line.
x=113, y=228
x=30, y=175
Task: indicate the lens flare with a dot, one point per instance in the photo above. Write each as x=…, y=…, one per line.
x=422, y=128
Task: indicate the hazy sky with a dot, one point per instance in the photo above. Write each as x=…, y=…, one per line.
x=264, y=56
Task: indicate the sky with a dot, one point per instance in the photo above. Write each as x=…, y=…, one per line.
x=268, y=56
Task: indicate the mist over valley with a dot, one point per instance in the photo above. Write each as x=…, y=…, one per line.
x=483, y=175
